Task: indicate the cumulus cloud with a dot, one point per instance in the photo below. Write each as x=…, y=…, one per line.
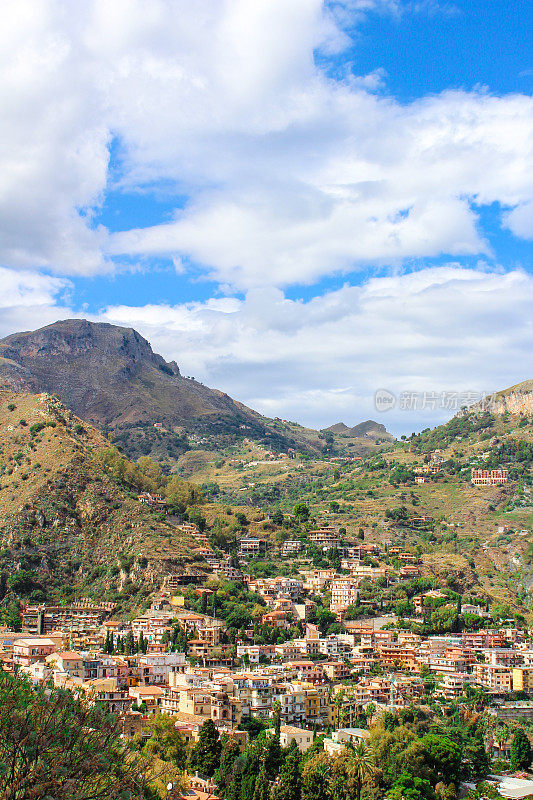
x=289, y=175
x=446, y=329
x=443, y=329
x=29, y=300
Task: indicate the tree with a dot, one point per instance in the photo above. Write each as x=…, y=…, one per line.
x=233, y=791
x=361, y=766
x=165, y=741
x=409, y=787
x=316, y=778
x=262, y=786
x=52, y=745
x=520, y=750
x=289, y=783
x=443, y=757
x=129, y=644
x=205, y=755
x=253, y=726
x=277, y=517
x=230, y=753
x=301, y=510
x=12, y=616
x=475, y=758
x=273, y=757
x=108, y=644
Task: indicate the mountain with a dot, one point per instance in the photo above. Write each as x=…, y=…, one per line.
x=339, y=427
x=110, y=377
x=517, y=399
x=370, y=428
x=69, y=518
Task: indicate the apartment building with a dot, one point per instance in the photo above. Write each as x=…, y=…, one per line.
x=250, y=546
x=522, y=679
x=291, y=547
x=343, y=593
x=209, y=702
x=66, y=661
x=496, y=678
x=162, y=665
x=28, y=651
x=489, y=477
x=79, y=616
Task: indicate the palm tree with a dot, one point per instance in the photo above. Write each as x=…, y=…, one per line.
x=361, y=766
x=501, y=735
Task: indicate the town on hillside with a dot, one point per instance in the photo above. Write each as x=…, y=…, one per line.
x=319, y=657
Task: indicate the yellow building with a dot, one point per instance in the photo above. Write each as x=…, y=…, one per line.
x=523, y=679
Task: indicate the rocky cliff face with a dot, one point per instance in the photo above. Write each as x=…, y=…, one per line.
x=106, y=374
x=515, y=400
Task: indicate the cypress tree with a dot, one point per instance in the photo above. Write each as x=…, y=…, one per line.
x=262, y=786
x=289, y=784
x=129, y=644
x=520, y=751
x=205, y=756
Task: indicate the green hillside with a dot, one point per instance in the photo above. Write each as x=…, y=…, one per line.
x=70, y=522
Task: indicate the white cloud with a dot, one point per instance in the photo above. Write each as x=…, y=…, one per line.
x=291, y=176
x=441, y=329
x=29, y=300
x=24, y=289
x=321, y=361
x=520, y=220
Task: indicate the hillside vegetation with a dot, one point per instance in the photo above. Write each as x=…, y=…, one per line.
x=70, y=522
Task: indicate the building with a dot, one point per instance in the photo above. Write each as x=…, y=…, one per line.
x=522, y=679
x=337, y=670
x=79, y=616
x=27, y=651
x=291, y=547
x=151, y=696
x=151, y=499
x=343, y=593
x=208, y=702
x=289, y=734
x=67, y=661
x=489, y=477
x=496, y=678
x=250, y=546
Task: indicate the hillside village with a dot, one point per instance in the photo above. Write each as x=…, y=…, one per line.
x=273, y=590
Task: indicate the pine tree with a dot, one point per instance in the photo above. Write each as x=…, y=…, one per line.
x=273, y=758
x=248, y=787
x=233, y=791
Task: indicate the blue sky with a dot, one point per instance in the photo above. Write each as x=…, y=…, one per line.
x=301, y=202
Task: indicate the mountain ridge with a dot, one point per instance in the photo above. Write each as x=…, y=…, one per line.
x=369, y=428
x=110, y=376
